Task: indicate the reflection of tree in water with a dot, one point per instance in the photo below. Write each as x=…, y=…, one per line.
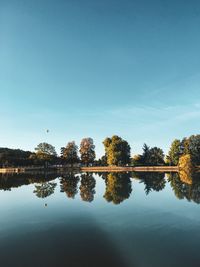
x=45, y=189
x=185, y=177
x=176, y=184
x=9, y=181
x=87, y=187
x=68, y=184
x=189, y=191
x=195, y=194
x=152, y=181
x=103, y=175
x=118, y=187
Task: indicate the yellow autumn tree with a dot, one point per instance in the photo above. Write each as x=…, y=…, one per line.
x=186, y=169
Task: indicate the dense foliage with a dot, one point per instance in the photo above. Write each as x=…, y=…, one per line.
x=69, y=154
x=87, y=187
x=87, y=151
x=118, y=187
x=117, y=151
x=188, y=146
x=69, y=184
x=15, y=157
x=45, y=189
x=152, y=181
x=175, y=152
x=186, y=168
x=150, y=157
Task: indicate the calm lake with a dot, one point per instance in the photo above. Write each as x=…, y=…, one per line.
x=115, y=219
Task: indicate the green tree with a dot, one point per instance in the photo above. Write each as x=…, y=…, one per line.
x=151, y=156
x=188, y=146
x=70, y=153
x=156, y=156
x=45, y=152
x=175, y=152
x=102, y=161
x=117, y=151
x=193, y=147
x=46, y=149
x=87, y=151
x=146, y=154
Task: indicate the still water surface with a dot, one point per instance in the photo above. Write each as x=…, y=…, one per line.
x=121, y=220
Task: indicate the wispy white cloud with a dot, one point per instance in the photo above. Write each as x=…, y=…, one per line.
x=157, y=115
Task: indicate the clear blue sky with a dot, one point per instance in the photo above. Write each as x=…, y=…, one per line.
x=98, y=68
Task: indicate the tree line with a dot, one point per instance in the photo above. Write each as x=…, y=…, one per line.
x=117, y=153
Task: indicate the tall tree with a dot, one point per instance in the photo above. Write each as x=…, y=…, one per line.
x=175, y=152
x=188, y=146
x=193, y=147
x=146, y=153
x=46, y=149
x=70, y=153
x=45, y=153
x=150, y=156
x=185, y=146
x=117, y=151
x=156, y=156
x=87, y=151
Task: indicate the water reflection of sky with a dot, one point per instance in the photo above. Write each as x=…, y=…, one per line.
x=155, y=225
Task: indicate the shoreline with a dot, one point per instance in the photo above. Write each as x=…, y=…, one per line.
x=92, y=169
x=132, y=169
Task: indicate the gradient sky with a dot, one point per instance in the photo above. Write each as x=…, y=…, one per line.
x=98, y=68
